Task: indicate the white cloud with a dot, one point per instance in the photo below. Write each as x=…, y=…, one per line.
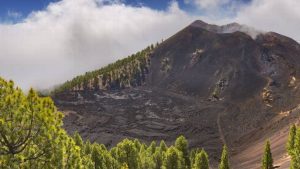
x=268, y=15
x=73, y=36
x=273, y=15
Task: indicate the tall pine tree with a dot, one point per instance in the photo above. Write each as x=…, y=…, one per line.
x=201, y=160
x=182, y=145
x=173, y=159
x=291, y=140
x=267, y=161
x=224, y=164
x=295, y=158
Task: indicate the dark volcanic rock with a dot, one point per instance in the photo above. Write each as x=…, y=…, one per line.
x=214, y=84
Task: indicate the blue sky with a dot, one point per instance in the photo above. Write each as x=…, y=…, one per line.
x=22, y=6
x=17, y=9
x=27, y=6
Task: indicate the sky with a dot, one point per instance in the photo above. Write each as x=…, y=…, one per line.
x=46, y=42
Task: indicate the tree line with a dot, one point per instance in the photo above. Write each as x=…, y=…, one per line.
x=128, y=72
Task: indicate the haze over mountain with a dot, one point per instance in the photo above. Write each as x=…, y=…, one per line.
x=214, y=84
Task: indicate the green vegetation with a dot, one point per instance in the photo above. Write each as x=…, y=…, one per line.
x=127, y=72
x=201, y=160
x=31, y=136
x=294, y=147
x=291, y=140
x=224, y=164
x=267, y=161
x=182, y=145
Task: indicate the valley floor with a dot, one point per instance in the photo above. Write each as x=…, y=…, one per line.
x=109, y=117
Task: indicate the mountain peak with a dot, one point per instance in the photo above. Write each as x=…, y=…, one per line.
x=204, y=25
x=228, y=28
x=199, y=23
x=214, y=84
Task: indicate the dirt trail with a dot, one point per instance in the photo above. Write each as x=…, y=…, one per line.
x=250, y=158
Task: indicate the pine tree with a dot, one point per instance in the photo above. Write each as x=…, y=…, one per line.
x=97, y=157
x=127, y=153
x=146, y=160
x=193, y=154
x=201, y=160
x=152, y=147
x=88, y=147
x=109, y=161
x=267, y=161
x=157, y=158
x=78, y=139
x=30, y=126
x=73, y=155
x=162, y=146
x=291, y=141
x=137, y=144
x=182, y=145
x=224, y=164
x=295, y=158
x=172, y=159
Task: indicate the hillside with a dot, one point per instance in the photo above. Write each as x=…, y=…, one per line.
x=214, y=84
x=125, y=73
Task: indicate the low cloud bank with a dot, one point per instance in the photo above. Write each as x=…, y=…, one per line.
x=70, y=37
x=73, y=36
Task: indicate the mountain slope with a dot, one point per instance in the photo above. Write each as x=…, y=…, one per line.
x=213, y=84
x=128, y=72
